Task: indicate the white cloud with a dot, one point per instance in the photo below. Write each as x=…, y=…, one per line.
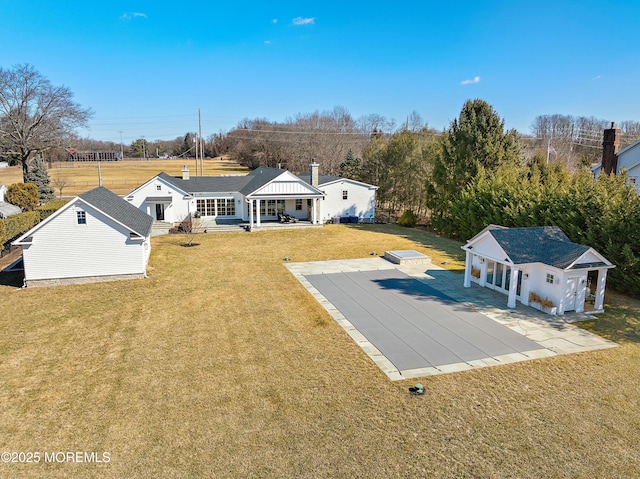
x=304, y=21
x=275, y=20
x=475, y=79
x=129, y=16
x=267, y=42
x=597, y=77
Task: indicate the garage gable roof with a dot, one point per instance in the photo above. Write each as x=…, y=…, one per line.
x=120, y=210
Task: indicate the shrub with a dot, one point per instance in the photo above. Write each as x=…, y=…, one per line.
x=50, y=207
x=3, y=234
x=408, y=219
x=15, y=225
x=24, y=195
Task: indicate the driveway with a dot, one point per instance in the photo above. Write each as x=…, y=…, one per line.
x=410, y=327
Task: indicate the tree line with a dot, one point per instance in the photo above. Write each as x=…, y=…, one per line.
x=459, y=180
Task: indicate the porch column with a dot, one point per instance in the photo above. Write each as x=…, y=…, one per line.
x=258, y=213
x=602, y=281
x=467, y=269
x=513, y=288
x=250, y=215
x=315, y=214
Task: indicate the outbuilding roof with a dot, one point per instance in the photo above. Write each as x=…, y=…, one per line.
x=539, y=244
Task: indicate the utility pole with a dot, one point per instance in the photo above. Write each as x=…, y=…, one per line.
x=121, y=147
x=200, y=137
x=195, y=140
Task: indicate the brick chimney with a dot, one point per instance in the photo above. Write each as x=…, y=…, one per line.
x=314, y=173
x=185, y=172
x=610, y=147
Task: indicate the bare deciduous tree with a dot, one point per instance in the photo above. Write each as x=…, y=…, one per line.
x=35, y=116
x=60, y=183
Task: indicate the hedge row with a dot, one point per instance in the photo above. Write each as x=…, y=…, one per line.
x=15, y=225
x=50, y=207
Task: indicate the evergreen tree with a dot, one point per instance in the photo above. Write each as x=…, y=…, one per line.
x=475, y=140
x=39, y=176
x=351, y=167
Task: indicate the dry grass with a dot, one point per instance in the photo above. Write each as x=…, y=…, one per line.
x=121, y=177
x=222, y=365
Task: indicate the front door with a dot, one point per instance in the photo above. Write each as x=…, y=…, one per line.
x=160, y=212
x=572, y=291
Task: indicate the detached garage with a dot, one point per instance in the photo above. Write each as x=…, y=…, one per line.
x=538, y=266
x=97, y=236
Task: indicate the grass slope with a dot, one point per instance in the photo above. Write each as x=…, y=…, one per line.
x=220, y=364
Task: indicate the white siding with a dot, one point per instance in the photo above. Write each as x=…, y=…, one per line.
x=360, y=202
x=629, y=159
x=488, y=247
x=62, y=248
x=292, y=186
x=174, y=212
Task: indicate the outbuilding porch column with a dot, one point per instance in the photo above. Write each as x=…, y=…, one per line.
x=258, y=213
x=513, y=287
x=467, y=269
x=602, y=281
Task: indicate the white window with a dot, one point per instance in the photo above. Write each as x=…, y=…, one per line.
x=158, y=187
x=81, y=216
x=299, y=204
x=345, y=194
x=550, y=278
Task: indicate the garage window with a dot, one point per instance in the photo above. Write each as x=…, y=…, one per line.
x=81, y=217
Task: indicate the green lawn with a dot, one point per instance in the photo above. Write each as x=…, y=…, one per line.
x=220, y=364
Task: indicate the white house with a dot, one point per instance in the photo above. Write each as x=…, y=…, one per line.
x=343, y=197
x=261, y=195
x=97, y=236
x=614, y=161
x=534, y=264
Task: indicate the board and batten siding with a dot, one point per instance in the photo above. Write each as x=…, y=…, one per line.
x=62, y=248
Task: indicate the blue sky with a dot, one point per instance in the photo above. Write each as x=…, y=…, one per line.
x=145, y=67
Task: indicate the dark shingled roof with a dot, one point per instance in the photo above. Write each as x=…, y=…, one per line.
x=540, y=244
x=118, y=209
x=322, y=179
x=207, y=184
x=258, y=178
x=245, y=184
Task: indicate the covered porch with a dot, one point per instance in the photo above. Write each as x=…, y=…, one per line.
x=299, y=210
x=579, y=288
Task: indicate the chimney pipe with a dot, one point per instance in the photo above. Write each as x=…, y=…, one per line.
x=610, y=147
x=314, y=173
x=185, y=172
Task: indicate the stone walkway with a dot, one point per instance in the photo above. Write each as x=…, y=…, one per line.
x=554, y=334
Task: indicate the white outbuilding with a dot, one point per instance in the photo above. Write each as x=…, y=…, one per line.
x=537, y=266
x=97, y=236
